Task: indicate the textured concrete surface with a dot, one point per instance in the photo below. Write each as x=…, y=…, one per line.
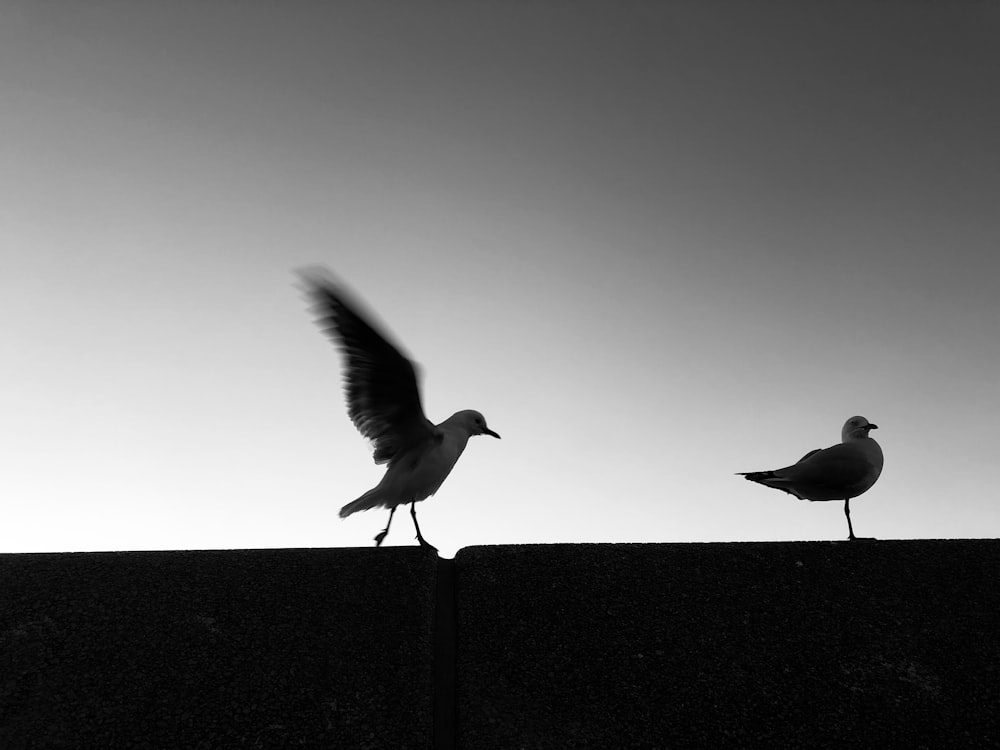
x=223, y=649
x=889, y=643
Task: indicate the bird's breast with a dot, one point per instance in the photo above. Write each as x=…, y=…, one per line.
x=419, y=475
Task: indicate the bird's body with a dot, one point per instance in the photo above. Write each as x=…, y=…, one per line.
x=417, y=474
x=840, y=472
x=383, y=402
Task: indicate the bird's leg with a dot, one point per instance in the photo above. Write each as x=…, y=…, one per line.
x=847, y=512
x=381, y=535
x=420, y=538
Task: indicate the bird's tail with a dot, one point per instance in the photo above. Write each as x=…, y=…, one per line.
x=756, y=476
x=769, y=479
x=371, y=499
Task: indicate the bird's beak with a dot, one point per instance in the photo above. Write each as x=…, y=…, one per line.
x=873, y=427
x=488, y=431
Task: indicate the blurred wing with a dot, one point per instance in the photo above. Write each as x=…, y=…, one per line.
x=380, y=384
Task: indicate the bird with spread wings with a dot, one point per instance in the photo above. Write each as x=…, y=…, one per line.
x=383, y=402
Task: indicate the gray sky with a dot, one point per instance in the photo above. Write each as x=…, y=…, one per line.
x=654, y=243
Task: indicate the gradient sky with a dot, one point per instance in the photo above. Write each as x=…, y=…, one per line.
x=654, y=243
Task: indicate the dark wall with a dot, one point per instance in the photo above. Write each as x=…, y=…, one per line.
x=891, y=643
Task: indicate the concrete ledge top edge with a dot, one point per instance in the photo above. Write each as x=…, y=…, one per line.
x=872, y=543
x=411, y=550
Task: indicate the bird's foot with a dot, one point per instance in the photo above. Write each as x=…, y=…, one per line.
x=380, y=537
x=861, y=539
x=426, y=545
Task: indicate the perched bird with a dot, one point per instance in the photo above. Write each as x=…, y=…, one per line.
x=836, y=473
x=383, y=402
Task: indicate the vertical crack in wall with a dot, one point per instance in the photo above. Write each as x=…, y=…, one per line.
x=445, y=639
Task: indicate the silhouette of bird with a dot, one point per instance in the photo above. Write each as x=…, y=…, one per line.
x=383, y=402
x=837, y=473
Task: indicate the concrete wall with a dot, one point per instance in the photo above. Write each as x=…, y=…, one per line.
x=660, y=645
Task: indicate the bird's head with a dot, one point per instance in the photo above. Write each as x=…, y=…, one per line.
x=474, y=423
x=856, y=428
